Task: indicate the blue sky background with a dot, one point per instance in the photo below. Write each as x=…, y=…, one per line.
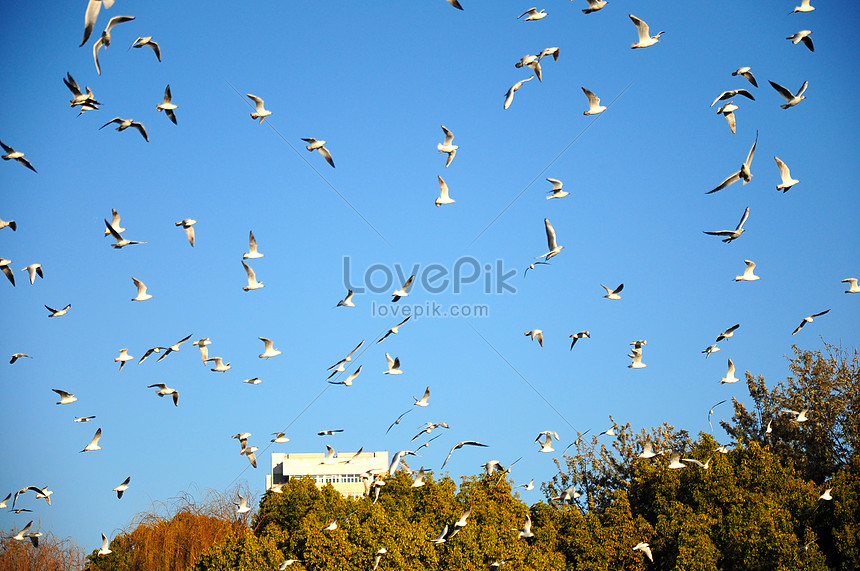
x=376, y=81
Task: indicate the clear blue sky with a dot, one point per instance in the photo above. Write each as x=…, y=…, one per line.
x=376, y=81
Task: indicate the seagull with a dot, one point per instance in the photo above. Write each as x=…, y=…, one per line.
x=577, y=336
x=22, y=533
x=252, y=252
x=4, y=263
x=220, y=366
x=254, y=381
x=594, y=6
x=732, y=234
x=397, y=421
x=731, y=93
x=826, y=495
x=637, y=363
x=84, y=418
x=280, y=437
x=745, y=72
x=711, y=412
x=125, y=124
x=532, y=266
x=612, y=293
x=188, y=224
x=441, y=538
x=165, y=390
x=802, y=36
x=448, y=146
x=147, y=41
x=532, y=62
x=804, y=7
x=423, y=400
x=382, y=551
x=122, y=488
x=675, y=462
x=261, y=112
x=728, y=332
x=33, y=270
x=402, y=291
x=123, y=357
x=533, y=14
x=730, y=376
x=150, y=352
x=270, y=350
x=394, y=330
x=645, y=37
x=393, y=366
x=104, y=40
x=790, y=98
x=348, y=358
x=526, y=531
x=527, y=487
x=535, y=334
x=509, y=96
x=552, y=244
x=710, y=349
x=120, y=241
x=785, y=174
x=644, y=548
x=249, y=452
x=647, y=450
x=444, y=196
x=546, y=445
x=58, y=312
x=428, y=428
x=6, y=499
x=329, y=432
x=743, y=173
x=11, y=224
x=242, y=437
x=242, y=506
x=41, y=493
x=141, y=291
x=594, y=106
x=288, y=562
x=202, y=344
x=13, y=155
x=114, y=222
x=549, y=52
x=852, y=288
x=704, y=466
x=347, y=301
x=610, y=432
x=91, y=15
x=86, y=100
x=252, y=278
x=314, y=145
x=461, y=523
x=808, y=319
x=94, y=443
x=105, y=548
x=167, y=105
x=350, y=378
x=174, y=347
x=16, y=356
x=748, y=275
x=801, y=416
x=460, y=445
x=556, y=191
x=728, y=111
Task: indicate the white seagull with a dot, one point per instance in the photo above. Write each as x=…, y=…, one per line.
x=612, y=293
x=509, y=96
x=104, y=40
x=791, y=99
x=853, y=287
x=636, y=355
x=785, y=175
x=395, y=330
x=804, y=7
x=94, y=443
x=393, y=366
x=644, y=548
x=165, y=390
x=732, y=234
x=125, y=124
x=594, y=6
x=747, y=73
x=167, y=105
x=743, y=173
x=34, y=270
x=122, y=488
x=728, y=111
x=120, y=242
x=728, y=332
x=270, y=350
x=123, y=357
x=114, y=222
x=594, y=106
x=577, y=336
x=748, y=275
x=402, y=292
x=86, y=100
x=188, y=225
x=91, y=15
x=536, y=335
x=551, y=241
x=347, y=301
x=444, y=194
x=645, y=37
x=261, y=112
x=16, y=356
x=10, y=223
x=58, y=312
x=13, y=155
x=423, y=401
x=546, y=444
x=252, y=278
x=220, y=365
x=252, y=252
x=526, y=530
x=348, y=381
x=460, y=445
x=141, y=290
x=315, y=145
x=448, y=146
x=802, y=36
x=730, y=375
x=147, y=41
x=808, y=319
x=557, y=189
x=105, y=548
x=731, y=93
x=533, y=14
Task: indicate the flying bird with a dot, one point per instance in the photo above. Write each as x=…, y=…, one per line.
x=577, y=336
x=731, y=93
x=125, y=124
x=147, y=41
x=455, y=4
x=252, y=278
x=94, y=443
x=711, y=412
x=549, y=52
x=423, y=401
x=594, y=106
x=536, y=335
x=252, y=252
x=16, y=356
x=261, y=111
x=526, y=530
x=441, y=539
x=314, y=145
x=141, y=291
x=533, y=14
x=644, y=548
x=174, y=347
x=123, y=357
x=612, y=293
x=397, y=420
x=105, y=548
x=748, y=275
x=348, y=381
x=645, y=37
x=348, y=358
x=120, y=242
x=804, y=7
x=551, y=241
x=730, y=375
x=728, y=111
x=557, y=189
x=203, y=345
x=86, y=101
x=744, y=172
x=167, y=105
x=91, y=15
x=746, y=73
x=393, y=366
x=732, y=234
x=460, y=445
x=164, y=390
x=114, y=222
x=853, y=287
x=122, y=488
x=636, y=356
x=546, y=444
x=509, y=96
x=34, y=270
x=188, y=225
x=83, y=418
x=785, y=175
x=242, y=506
x=802, y=36
x=58, y=312
x=13, y=155
x=329, y=432
x=5, y=265
x=104, y=40
x=8, y=224
x=647, y=450
x=347, y=301
x=594, y=6
x=402, y=292
x=728, y=332
x=447, y=146
x=444, y=195
x=220, y=365
x=799, y=417
x=270, y=350
x=280, y=437
x=808, y=319
x=791, y=99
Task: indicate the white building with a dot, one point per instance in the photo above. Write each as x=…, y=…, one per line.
x=343, y=471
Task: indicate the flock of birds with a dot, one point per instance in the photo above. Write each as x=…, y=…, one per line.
x=339, y=372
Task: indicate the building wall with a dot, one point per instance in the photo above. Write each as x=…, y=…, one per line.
x=343, y=472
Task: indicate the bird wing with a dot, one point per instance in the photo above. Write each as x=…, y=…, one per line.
x=743, y=218
x=729, y=181
x=117, y=20
x=642, y=27
x=141, y=128
x=449, y=136
x=443, y=188
x=141, y=287
x=252, y=277
x=327, y=155
x=819, y=314
x=784, y=173
x=803, y=88
x=550, y=235
x=90, y=17
x=256, y=100
x=750, y=155
x=745, y=93
x=782, y=91
x=593, y=100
